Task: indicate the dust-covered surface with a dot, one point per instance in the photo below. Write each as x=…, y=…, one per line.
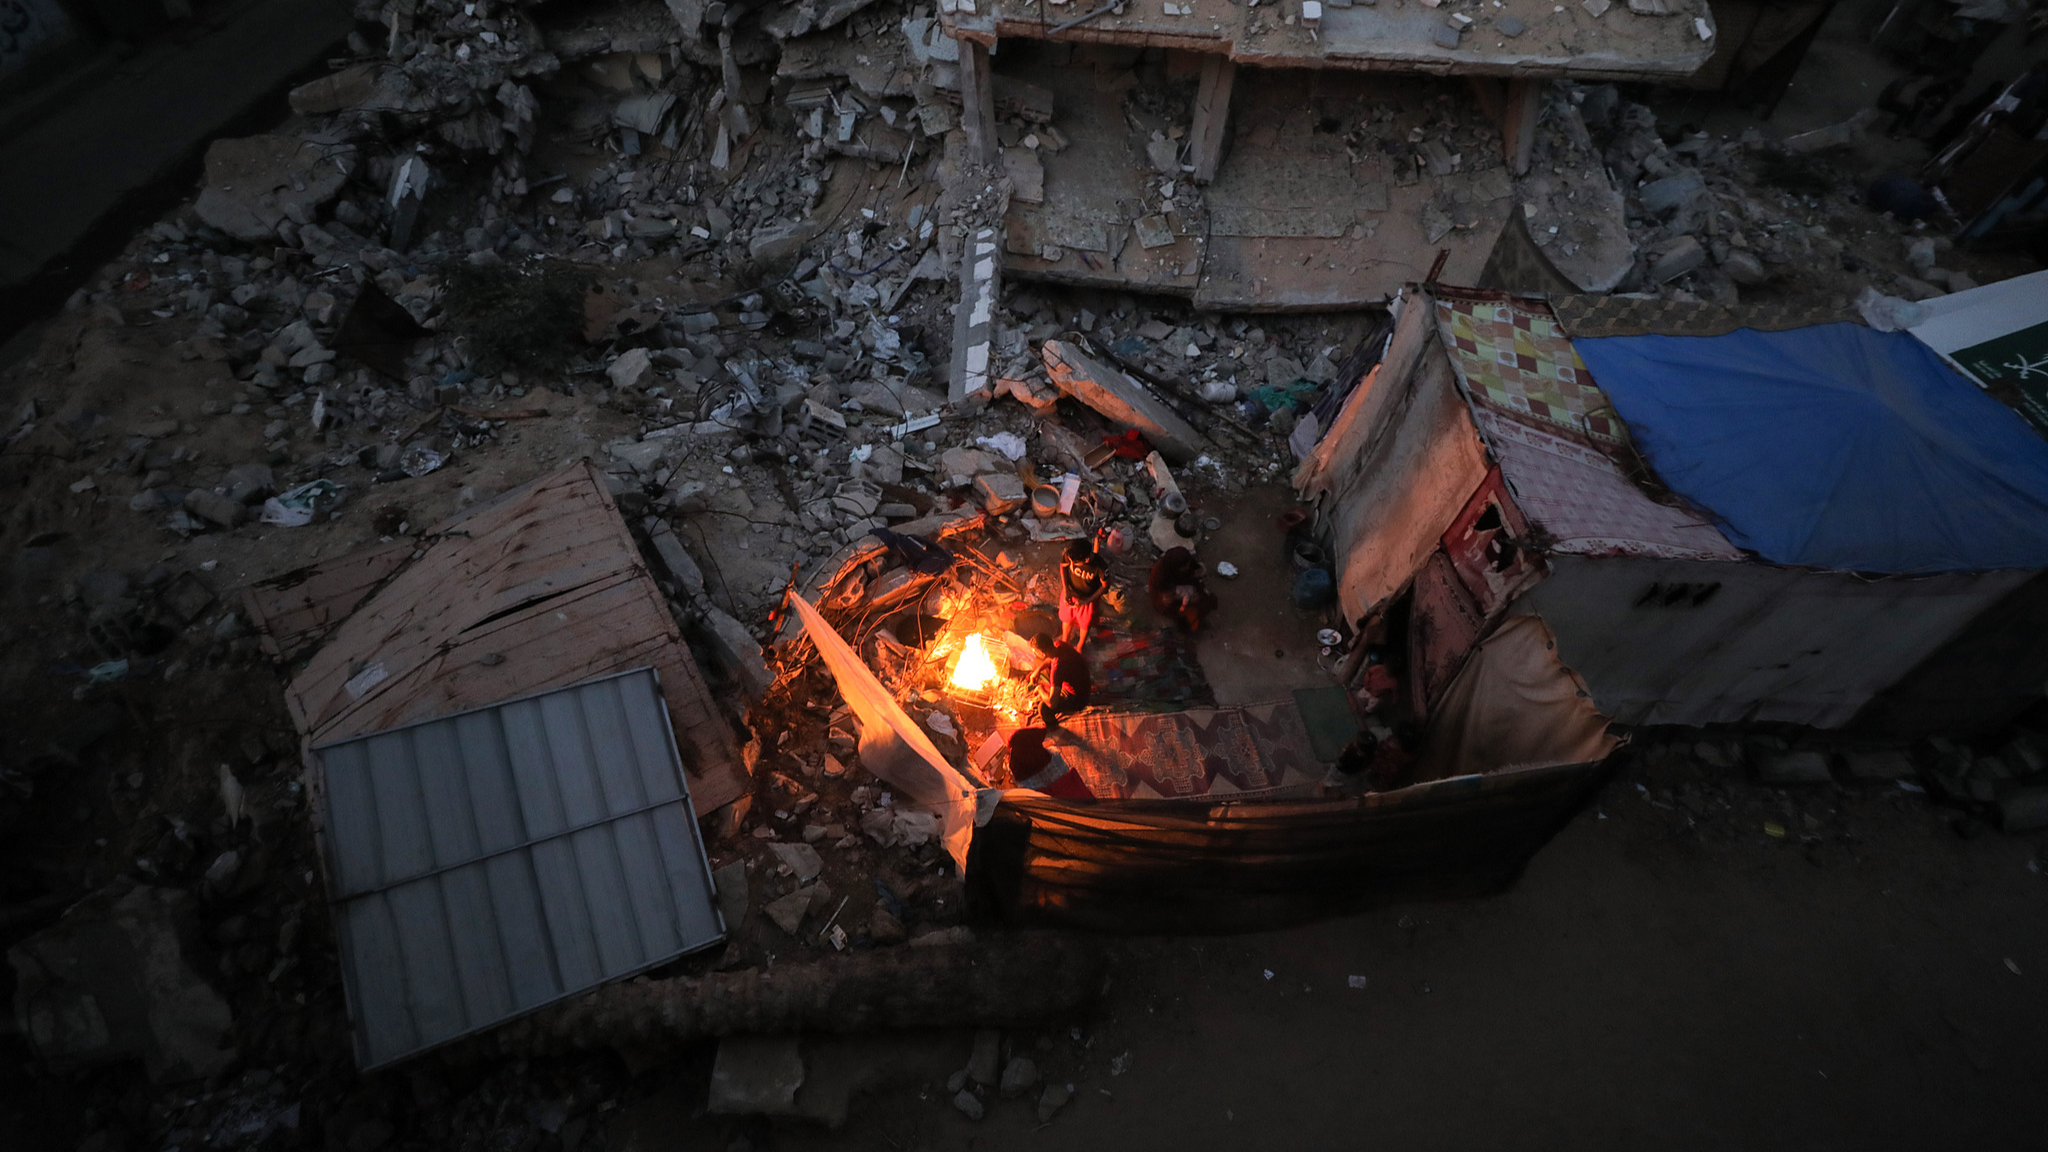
x=1639, y=41
x=765, y=228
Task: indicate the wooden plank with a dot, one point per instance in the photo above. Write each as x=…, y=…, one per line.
x=556, y=566
x=294, y=610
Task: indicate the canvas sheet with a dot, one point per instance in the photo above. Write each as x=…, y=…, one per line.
x=892, y=746
x=1515, y=705
x=1836, y=447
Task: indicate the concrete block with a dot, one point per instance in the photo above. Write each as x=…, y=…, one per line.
x=1879, y=764
x=1119, y=398
x=756, y=1075
x=1795, y=767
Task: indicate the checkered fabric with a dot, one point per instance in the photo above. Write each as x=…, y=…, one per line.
x=1518, y=358
x=1585, y=504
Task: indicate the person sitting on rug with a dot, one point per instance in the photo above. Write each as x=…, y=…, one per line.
x=1033, y=765
x=1178, y=591
x=1066, y=681
x=1083, y=579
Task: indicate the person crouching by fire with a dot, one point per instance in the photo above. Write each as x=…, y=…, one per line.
x=1062, y=678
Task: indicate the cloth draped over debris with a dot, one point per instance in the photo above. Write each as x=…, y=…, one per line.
x=892, y=746
x=1515, y=705
x=1399, y=463
x=1877, y=456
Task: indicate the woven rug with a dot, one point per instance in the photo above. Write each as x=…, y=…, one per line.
x=1251, y=751
x=1144, y=669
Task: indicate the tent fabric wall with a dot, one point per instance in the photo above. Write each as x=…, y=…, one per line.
x=1515, y=705
x=1406, y=484
x=1699, y=642
x=1355, y=430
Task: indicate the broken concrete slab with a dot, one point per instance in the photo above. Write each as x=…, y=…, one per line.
x=1661, y=196
x=1879, y=764
x=1795, y=767
x=999, y=492
x=730, y=881
x=1833, y=136
x=258, y=182
x=337, y=91
x=789, y=911
x=112, y=981
x=801, y=859
x=756, y=1075
x=973, y=323
x=1679, y=257
x=984, y=1058
x=1122, y=400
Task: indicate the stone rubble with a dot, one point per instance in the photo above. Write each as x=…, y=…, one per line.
x=759, y=362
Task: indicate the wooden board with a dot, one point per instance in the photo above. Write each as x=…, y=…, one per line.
x=539, y=589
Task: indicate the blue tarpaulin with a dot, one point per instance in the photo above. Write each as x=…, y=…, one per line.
x=1834, y=446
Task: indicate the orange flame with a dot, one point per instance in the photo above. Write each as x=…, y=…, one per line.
x=976, y=669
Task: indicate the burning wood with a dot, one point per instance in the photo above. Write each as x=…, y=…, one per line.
x=976, y=669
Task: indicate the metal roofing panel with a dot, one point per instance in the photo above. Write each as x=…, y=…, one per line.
x=490, y=862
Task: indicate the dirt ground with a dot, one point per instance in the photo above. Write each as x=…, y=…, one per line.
x=1655, y=979
x=1667, y=973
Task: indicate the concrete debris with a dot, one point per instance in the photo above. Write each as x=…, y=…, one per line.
x=789, y=325
x=1795, y=767
x=801, y=859
x=756, y=1075
x=1676, y=258
x=111, y=982
x=1020, y=1075
x=984, y=1058
x=1834, y=135
x=1119, y=398
x=789, y=911
x=255, y=184
x=1879, y=764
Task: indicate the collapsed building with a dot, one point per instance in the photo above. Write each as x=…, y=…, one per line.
x=1292, y=156
x=514, y=717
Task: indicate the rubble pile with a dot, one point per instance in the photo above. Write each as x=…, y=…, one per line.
x=1703, y=781
x=762, y=212
x=1619, y=201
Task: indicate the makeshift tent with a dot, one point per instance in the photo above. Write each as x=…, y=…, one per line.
x=1399, y=462
x=1834, y=447
x=1663, y=618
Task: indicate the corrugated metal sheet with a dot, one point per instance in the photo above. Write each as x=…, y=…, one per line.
x=484, y=864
